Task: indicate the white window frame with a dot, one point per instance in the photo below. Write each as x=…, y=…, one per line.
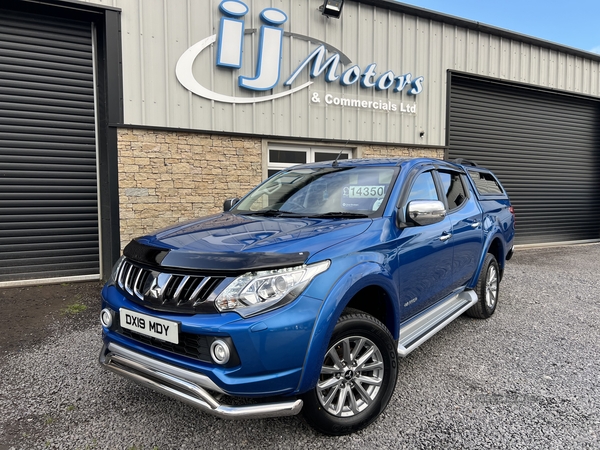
x=310, y=151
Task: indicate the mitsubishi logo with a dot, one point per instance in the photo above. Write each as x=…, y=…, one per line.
x=155, y=286
x=154, y=290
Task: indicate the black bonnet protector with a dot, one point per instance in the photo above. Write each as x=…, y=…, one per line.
x=230, y=263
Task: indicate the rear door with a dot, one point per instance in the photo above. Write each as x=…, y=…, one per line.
x=465, y=215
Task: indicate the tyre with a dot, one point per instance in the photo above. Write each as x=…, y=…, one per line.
x=488, y=288
x=358, y=376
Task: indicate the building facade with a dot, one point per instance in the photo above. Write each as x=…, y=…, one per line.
x=118, y=117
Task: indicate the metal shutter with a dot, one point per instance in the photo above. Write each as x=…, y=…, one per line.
x=544, y=147
x=48, y=187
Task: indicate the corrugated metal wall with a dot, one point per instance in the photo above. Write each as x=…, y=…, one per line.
x=48, y=183
x=157, y=32
x=545, y=148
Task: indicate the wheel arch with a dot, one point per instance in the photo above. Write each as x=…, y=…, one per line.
x=495, y=245
x=377, y=302
x=366, y=287
x=497, y=249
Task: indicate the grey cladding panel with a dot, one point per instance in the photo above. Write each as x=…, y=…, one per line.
x=544, y=148
x=48, y=185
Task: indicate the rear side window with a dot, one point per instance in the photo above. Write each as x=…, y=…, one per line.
x=486, y=183
x=453, y=189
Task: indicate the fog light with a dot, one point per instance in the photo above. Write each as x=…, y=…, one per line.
x=106, y=317
x=219, y=351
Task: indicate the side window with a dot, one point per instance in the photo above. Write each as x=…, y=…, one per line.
x=454, y=189
x=485, y=183
x=423, y=188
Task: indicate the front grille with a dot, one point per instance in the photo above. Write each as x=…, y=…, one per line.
x=191, y=345
x=165, y=291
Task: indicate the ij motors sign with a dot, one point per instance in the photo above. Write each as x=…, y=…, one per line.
x=323, y=61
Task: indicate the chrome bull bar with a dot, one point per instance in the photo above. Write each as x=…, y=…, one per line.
x=186, y=386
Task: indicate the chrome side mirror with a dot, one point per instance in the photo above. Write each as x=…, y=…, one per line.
x=230, y=203
x=426, y=212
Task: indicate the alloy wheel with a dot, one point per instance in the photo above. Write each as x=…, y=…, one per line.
x=351, y=376
x=491, y=287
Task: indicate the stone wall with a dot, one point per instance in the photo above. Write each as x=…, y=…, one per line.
x=167, y=177
x=170, y=177
x=385, y=151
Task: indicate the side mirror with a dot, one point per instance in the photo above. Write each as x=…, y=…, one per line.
x=426, y=212
x=230, y=203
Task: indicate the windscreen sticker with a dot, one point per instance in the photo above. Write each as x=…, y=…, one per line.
x=362, y=198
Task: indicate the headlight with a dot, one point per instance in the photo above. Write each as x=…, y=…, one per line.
x=115, y=271
x=254, y=292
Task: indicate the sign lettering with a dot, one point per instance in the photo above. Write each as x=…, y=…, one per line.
x=230, y=41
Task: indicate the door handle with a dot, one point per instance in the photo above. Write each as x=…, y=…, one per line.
x=475, y=224
x=445, y=236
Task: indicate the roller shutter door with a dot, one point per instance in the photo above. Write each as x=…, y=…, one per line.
x=544, y=147
x=48, y=187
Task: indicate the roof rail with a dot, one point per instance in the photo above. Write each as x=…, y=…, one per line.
x=465, y=162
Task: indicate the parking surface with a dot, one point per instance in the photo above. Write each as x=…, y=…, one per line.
x=529, y=377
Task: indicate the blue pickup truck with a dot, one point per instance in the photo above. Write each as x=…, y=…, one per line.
x=301, y=296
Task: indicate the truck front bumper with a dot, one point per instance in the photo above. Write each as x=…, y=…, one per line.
x=186, y=386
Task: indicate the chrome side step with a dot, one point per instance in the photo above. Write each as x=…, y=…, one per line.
x=424, y=326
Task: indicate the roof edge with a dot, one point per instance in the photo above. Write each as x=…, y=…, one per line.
x=75, y=5
x=478, y=26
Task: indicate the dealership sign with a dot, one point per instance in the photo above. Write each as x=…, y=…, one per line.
x=230, y=42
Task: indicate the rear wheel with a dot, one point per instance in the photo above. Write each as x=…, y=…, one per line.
x=358, y=376
x=488, y=287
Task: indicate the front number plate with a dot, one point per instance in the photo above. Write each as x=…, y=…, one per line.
x=165, y=330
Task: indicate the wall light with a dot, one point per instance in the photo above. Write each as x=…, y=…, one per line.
x=332, y=8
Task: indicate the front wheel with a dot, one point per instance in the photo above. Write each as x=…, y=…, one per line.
x=487, y=289
x=358, y=376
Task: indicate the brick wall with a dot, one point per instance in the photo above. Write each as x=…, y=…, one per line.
x=169, y=177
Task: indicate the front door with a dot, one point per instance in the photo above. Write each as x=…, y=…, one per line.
x=424, y=271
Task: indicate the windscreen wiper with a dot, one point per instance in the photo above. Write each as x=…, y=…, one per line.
x=272, y=213
x=341, y=214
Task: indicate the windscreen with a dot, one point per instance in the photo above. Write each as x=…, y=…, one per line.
x=344, y=191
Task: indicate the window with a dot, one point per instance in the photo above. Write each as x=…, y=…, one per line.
x=485, y=183
x=454, y=189
x=423, y=188
x=282, y=157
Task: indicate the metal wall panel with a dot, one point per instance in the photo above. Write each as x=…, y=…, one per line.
x=395, y=36
x=48, y=185
x=545, y=149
